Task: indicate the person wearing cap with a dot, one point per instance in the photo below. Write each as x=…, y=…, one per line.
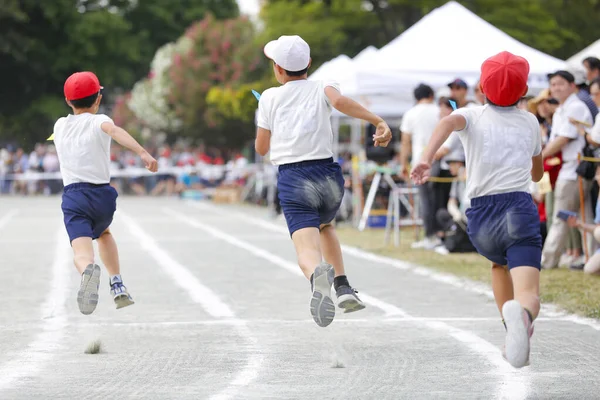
x=582, y=90
x=82, y=142
x=458, y=91
x=503, y=154
x=293, y=124
x=566, y=139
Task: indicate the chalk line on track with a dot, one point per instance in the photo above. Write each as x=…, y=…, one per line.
x=39, y=352
x=211, y=303
x=512, y=384
x=550, y=310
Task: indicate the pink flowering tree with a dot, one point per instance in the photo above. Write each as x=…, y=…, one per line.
x=223, y=59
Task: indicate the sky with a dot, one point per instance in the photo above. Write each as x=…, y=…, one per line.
x=250, y=7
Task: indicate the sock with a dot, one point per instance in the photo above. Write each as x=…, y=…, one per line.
x=340, y=281
x=529, y=314
x=115, y=278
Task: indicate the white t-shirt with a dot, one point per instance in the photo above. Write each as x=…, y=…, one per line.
x=499, y=144
x=83, y=148
x=572, y=108
x=419, y=122
x=297, y=114
x=595, y=132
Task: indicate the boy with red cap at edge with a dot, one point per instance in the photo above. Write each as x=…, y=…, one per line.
x=503, y=152
x=82, y=141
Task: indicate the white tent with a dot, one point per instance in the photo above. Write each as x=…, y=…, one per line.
x=449, y=42
x=593, y=50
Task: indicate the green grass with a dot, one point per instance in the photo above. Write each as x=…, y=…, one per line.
x=570, y=290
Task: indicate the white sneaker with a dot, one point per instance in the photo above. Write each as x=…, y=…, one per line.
x=565, y=260
x=428, y=243
x=441, y=249
x=518, y=333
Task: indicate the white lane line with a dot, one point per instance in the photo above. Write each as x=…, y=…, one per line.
x=308, y=321
x=211, y=303
x=512, y=384
x=550, y=310
x=30, y=361
x=5, y=219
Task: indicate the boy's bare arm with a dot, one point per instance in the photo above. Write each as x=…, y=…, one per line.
x=555, y=146
x=441, y=133
x=121, y=136
x=351, y=108
x=262, y=143
x=537, y=169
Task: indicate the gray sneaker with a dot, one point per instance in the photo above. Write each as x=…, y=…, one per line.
x=348, y=299
x=87, y=297
x=322, y=308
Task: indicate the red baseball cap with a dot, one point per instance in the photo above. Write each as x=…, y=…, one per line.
x=504, y=78
x=81, y=85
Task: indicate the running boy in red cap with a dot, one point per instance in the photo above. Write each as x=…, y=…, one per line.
x=82, y=142
x=293, y=124
x=503, y=153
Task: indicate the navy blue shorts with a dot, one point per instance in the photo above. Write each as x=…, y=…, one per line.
x=310, y=193
x=505, y=229
x=88, y=209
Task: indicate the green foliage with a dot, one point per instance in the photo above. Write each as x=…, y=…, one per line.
x=42, y=42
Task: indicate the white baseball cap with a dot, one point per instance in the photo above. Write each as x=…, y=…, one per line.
x=291, y=53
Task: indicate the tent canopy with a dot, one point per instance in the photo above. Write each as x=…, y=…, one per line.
x=593, y=50
x=449, y=42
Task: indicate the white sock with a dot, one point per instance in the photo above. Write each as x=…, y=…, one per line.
x=116, y=278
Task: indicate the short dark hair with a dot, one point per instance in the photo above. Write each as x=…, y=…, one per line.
x=491, y=103
x=566, y=75
x=86, y=102
x=423, y=92
x=296, y=73
x=593, y=62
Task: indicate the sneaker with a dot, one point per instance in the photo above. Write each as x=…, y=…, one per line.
x=441, y=249
x=87, y=297
x=429, y=243
x=121, y=296
x=348, y=299
x=322, y=308
x=518, y=333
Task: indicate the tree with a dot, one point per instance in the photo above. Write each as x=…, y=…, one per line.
x=224, y=55
x=41, y=43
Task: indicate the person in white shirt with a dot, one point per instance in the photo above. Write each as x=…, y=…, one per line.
x=293, y=123
x=565, y=138
x=417, y=126
x=503, y=152
x=82, y=142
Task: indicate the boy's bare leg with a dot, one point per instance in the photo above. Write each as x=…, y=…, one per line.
x=520, y=313
x=346, y=295
x=501, y=285
x=83, y=256
x=310, y=259
x=109, y=254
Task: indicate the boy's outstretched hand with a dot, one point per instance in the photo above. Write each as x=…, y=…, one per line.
x=149, y=162
x=383, y=135
x=420, y=173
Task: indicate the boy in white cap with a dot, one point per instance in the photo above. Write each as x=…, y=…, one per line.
x=82, y=142
x=503, y=151
x=293, y=124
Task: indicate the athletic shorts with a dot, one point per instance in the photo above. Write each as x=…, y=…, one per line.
x=310, y=193
x=88, y=209
x=505, y=229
